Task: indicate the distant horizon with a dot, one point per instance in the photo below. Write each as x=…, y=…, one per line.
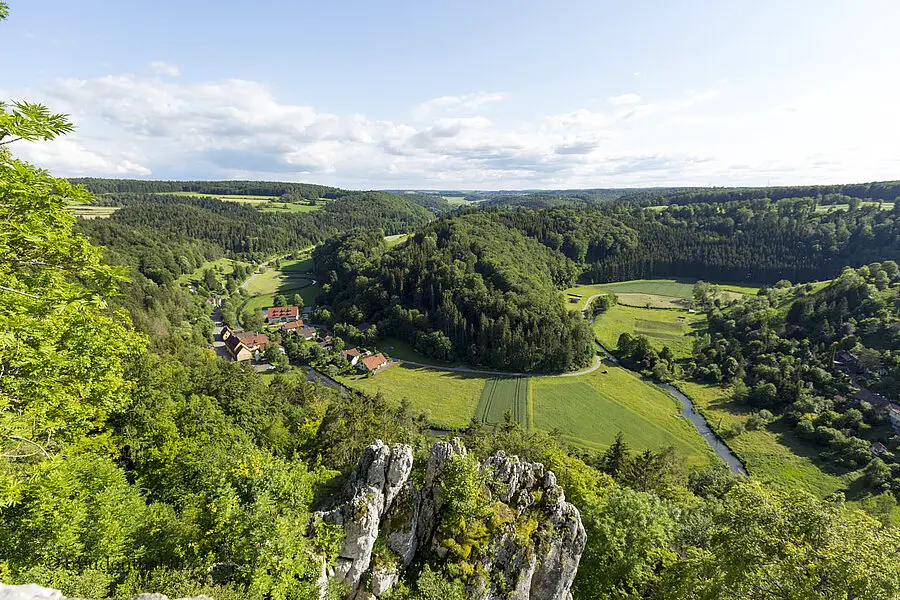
x=470, y=95
x=491, y=190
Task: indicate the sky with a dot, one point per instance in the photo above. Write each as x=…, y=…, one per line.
x=487, y=94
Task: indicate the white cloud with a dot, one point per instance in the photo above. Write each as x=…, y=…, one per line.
x=624, y=100
x=163, y=68
x=136, y=126
x=456, y=104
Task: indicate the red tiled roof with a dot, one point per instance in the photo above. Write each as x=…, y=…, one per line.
x=293, y=324
x=373, y=362
x=282, y=312
x=252, y=339
x=351, y=352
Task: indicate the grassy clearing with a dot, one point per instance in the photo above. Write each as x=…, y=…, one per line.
x=401, y=350
x=393, y=240
x=829, y=207
x=220, y=267
x=589, y=410
x=294, y=277
x=247, y=198
x=501, y=394
x=83, y=211
x=293, y=273
x=286, y=207
x=662, y=291
x=775, y=454
x=675, y=329
x=456, y=200
x=448, y=399
x=653, y=301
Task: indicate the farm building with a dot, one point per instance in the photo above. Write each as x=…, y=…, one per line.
x=292, y=326
x=238, y=350
x=351, y=355
x=372, y=363
x=282, y=314
x=254, y=341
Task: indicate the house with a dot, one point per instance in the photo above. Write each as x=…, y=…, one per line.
x=252, y=340
x=238, y=350
x=291, y=326
x=894, y=416
x=842, y=357
x=307, y=332
x=877, y=448
x=351, y=355
x=281, y=314
x=371, y=364
x=214, y=302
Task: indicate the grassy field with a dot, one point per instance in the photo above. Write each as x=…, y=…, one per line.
x=501, y=394
x=663, y=293
x=247, y=198
x=589, y=410
x=448, y=399
x=286, y=207
x=92, y=212
x=774, y=454
x=830, y=207
x=294, y=277
x=393, y=240
x=671, y=328
x=220, y=267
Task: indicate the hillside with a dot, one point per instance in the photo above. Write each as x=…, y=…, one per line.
x=467, y=286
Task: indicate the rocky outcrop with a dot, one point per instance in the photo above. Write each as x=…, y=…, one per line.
x=35, y=592
x=377, y=480
x=534, y=547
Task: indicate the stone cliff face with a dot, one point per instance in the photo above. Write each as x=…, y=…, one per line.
x=532, y=554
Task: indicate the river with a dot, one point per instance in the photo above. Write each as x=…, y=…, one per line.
x=703, y=428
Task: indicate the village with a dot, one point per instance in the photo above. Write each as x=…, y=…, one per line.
x=288, y=337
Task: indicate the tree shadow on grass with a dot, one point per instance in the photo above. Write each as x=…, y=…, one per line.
x=787, y=437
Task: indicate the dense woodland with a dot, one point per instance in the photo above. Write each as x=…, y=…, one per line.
x=467, y=287
x=241, y=230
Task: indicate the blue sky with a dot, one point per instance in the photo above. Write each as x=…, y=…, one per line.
x=497, y=94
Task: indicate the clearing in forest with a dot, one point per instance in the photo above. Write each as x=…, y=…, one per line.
x=294, y=277
x=672, y=328
x=589, y=410
x=668, y=289
x=501, y=394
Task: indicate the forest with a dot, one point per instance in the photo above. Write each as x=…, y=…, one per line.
x=480, y=284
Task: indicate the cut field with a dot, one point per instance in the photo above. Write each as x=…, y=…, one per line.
x=245, y=198
x=448, y=399
x=675, y=329
x=664, y=291
x=294, y=277
x=774, y=454
x=393, y=240
x=502, y=394
x=84, y=211
x=589, y=410
x=830, y=207
x=288, y=207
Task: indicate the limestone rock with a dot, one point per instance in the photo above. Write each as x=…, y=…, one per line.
x=532, y=555
x=29, y=591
